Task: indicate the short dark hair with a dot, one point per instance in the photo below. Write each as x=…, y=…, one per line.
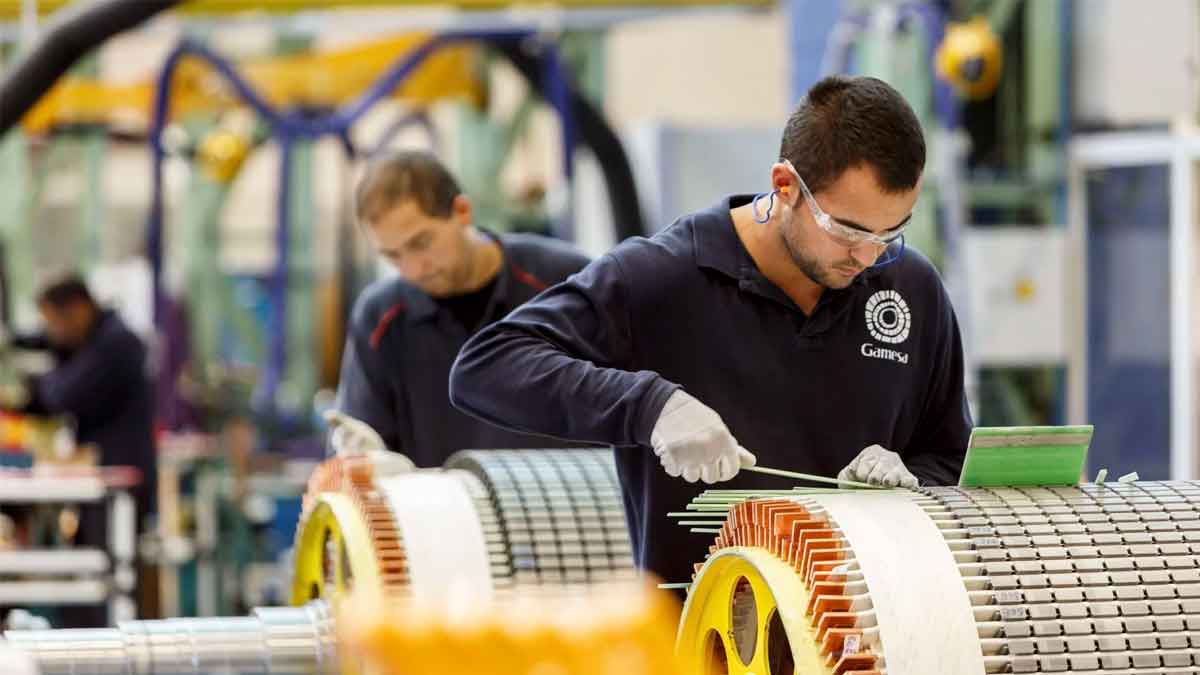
x=843, y=122
x=65, y=291
x=399, y=176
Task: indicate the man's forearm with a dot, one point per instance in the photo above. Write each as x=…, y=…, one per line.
x=520, y=381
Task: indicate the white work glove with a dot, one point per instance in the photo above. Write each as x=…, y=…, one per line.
x=879, y=466
x=691, y=441
x=15, y=661
x=351, y=436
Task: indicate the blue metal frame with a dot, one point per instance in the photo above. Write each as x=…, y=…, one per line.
x=290, y=127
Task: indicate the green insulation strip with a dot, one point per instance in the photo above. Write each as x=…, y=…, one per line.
x=1010, y=456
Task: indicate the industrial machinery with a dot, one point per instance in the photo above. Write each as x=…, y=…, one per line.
x=488, y=523
x=518, y=517
x=1101, y=578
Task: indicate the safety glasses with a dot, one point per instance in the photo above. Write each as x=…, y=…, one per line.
x=850, y=237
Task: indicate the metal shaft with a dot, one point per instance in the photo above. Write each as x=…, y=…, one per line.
x=275, y=640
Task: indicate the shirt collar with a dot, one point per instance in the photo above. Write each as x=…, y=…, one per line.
x=424, y=307
x=716, y=241
x=718, y=246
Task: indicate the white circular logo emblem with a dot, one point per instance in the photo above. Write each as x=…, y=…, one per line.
x=888, y=318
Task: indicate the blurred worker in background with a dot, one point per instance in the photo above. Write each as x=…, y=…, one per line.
x=454, y=279
x=792, y=325
x=99, y=380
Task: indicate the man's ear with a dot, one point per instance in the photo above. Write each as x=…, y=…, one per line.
x=783, y=181
x=460, y=210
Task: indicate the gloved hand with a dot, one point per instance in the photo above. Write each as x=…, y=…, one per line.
x=691, y=441
x=351, y=436
x=878, y=466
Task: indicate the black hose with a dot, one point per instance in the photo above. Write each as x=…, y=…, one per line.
x=74, y=32
x=595, y=133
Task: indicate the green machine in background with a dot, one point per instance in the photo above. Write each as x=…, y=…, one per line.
x=990, y=81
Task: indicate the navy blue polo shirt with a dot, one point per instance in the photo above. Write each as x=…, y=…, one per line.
x=104, y=386
x=402, y=342
x=596, y=357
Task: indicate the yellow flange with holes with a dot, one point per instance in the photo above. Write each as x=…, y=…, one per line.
x=334, y=553
x=745, y=614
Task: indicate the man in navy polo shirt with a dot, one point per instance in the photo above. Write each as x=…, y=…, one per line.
x=793, y=327
x=405, y=331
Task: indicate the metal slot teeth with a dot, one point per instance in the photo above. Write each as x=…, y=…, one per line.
x=558, y=513
x=1095, y=578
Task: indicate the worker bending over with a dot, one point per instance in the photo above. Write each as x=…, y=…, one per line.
x=454, y=279
x=793, y=327
x=99, y=380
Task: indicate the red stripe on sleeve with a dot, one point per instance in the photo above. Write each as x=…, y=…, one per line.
x=528, y=279
x=384, y=321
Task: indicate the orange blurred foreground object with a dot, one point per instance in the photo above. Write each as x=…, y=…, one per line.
x=625, y=628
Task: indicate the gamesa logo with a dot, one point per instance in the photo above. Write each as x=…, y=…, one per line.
x=888, y=318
